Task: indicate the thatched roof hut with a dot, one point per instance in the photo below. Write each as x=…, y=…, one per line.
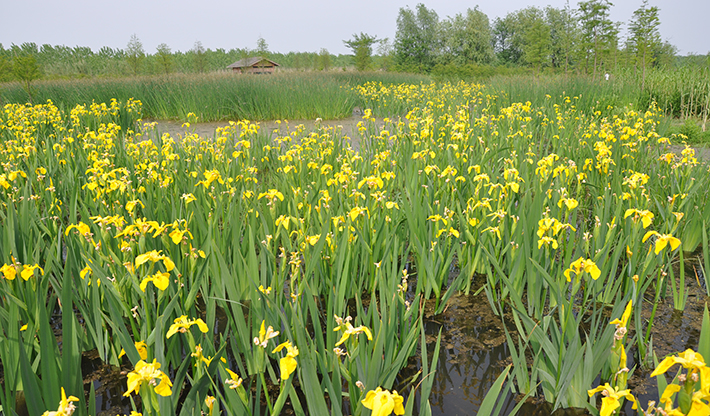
x=254, y=65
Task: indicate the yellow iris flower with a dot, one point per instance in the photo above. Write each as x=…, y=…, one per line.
x=141, y=347
x=210, y=176
x=145, y=372
x=662, y=240
x=612, y=400
x=66, y=407
x=372, y=182
x=272, y=194
x=234, y=381
x=131, y=205
x=159, y=279
x=625, y=317
x=287, y=364
x=201, y=357
x=698, y=405
x=570, y=203
x=182, y=324
x=547, y=241
x=645, y=216
x=154, y=256
x=188, y=198
x=265, y=335
x=689, y=359
x=177, y=235
x=348, y=330
x=29, y=271
x=383, y=403
x=86, y=270
x=209, y=402
x=583, y=265
x=81, y=227
x=9, y=271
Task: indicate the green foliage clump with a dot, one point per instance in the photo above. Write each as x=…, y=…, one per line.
x=361, y=46
x=135, y=54
x=691, y=130
x=5, y=69
x=26, y=69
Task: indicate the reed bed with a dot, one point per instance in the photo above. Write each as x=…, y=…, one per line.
x=216, y=96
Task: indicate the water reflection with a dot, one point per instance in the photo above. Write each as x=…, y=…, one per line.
x=109, y=383
x=472, y=355
x=474, y=352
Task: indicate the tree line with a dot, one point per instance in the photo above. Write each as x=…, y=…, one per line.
x=61, y=62
x=466, y=45
x=584, y=40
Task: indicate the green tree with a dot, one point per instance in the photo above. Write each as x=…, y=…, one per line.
x=644, y=36
x=296, y=62
x=385, y=51
x=26, y=69
x=599, y=35
x=5, y=69
x=564, y=35
x=165, y=57
x=522, y=37
x=199, y=57
x=417, y=41
x=324, y=61
x=135, y=53
x=361, y=45
x=262, y=48
x=665, y=54
x=507, y=44
x=467, y=39
x=536, y=46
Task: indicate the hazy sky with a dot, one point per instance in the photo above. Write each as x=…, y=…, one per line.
x=293, y=25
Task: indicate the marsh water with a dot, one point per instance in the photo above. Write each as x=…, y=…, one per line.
x=474, y=352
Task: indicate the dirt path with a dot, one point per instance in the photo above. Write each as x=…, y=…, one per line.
x=348, y=126
x=701, y=153
x=207, y=130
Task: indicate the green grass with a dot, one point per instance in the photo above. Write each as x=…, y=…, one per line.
x=688, y=130
x=682, y=92
x=599, y=95
x=679, y=93
x=218, y=95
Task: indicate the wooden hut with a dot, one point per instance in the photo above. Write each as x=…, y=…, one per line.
x=254, y=65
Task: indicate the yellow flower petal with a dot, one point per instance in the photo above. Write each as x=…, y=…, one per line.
x=164, y=388
x=169, y=265
x=287, y=365
x=202, y=325
x=161, y=280
x=667, y=363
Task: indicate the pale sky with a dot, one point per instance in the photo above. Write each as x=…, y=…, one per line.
x=286, y=25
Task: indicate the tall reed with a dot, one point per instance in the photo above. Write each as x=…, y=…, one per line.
x=217, y=95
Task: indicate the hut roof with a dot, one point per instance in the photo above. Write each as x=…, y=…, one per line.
x=251, y=62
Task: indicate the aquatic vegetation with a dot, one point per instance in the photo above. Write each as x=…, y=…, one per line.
x=252, y=271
